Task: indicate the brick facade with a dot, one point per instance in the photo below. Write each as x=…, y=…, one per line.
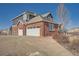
x=44, y=31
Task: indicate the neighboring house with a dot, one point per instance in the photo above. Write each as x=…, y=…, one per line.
x=4, y=32
x=32, y=24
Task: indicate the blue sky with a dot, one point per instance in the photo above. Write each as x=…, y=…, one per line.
x=9, y=11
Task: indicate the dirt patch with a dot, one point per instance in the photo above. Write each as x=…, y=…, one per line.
x=21, y=46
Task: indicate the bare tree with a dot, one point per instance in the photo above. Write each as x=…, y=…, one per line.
x=63, y=15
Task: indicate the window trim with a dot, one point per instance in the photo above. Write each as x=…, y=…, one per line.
x=50, y=27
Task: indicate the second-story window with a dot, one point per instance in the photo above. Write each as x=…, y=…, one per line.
x=50, y=27
x=31, y=16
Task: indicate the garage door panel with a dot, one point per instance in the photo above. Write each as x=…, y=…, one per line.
x=20, y=32
x=33, y=32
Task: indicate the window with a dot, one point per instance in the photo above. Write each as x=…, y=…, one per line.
x=49, y=17
x=31, y=16
x=51, y=27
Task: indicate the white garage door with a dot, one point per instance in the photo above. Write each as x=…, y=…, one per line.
x=20, y=32
x=33, y=32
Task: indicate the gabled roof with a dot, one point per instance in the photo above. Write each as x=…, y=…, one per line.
x=42, y=17
x=46, y=14
x=38, y=19
x=26, y=12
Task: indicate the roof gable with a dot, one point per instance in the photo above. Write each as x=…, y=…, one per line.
x=38, y=19
x=47, y=17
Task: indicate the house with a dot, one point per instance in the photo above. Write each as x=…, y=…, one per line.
x=32, y=24
x=4, y=32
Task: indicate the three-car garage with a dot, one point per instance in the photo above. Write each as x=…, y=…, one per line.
x=30, y=32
